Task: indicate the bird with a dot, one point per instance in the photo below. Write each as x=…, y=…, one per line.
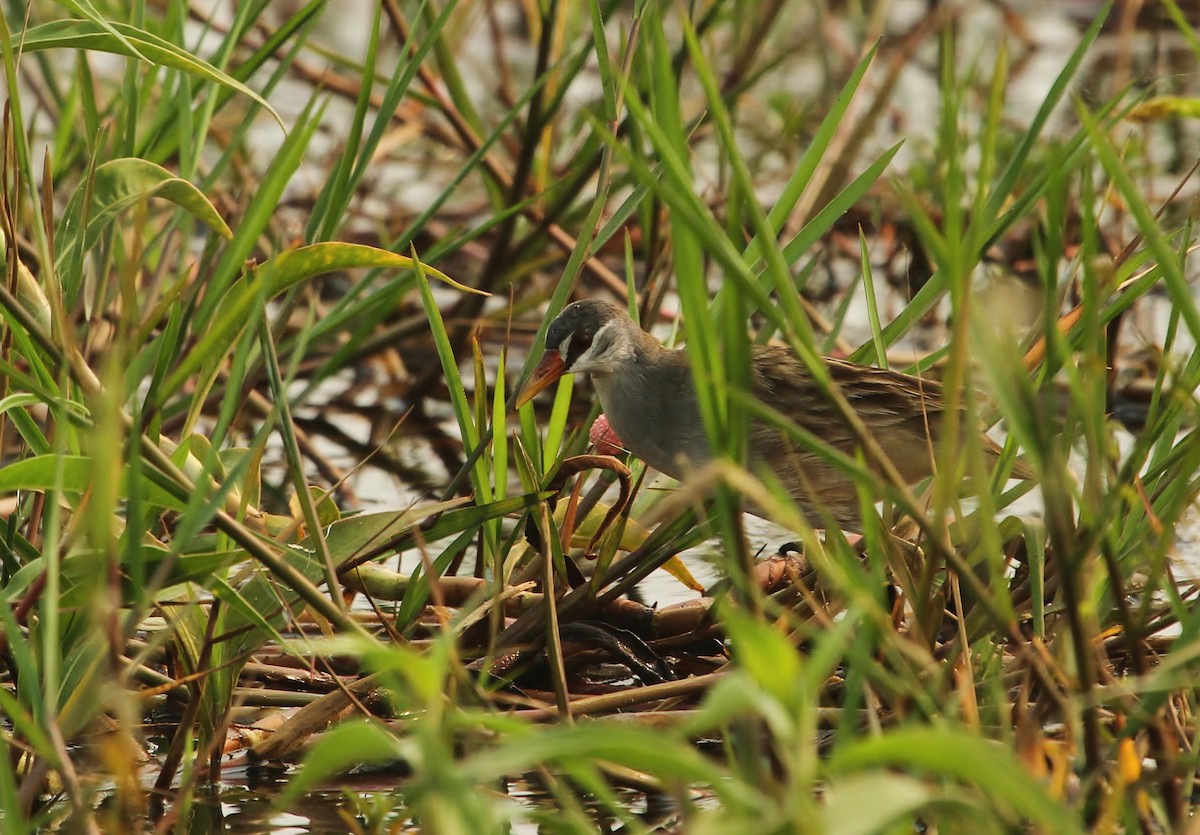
x=647, y=394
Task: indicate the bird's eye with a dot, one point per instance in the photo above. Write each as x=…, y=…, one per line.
x=574, y=346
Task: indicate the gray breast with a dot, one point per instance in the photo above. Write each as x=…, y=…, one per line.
x=655, y=413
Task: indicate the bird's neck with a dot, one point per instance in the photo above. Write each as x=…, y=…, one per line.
x=643, y=378
x=651, y=405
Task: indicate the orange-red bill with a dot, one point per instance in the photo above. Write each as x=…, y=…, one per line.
x=547, y=373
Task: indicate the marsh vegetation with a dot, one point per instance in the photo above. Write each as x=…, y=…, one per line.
x=273, y=271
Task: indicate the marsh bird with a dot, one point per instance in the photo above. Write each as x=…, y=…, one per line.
x=647, y=394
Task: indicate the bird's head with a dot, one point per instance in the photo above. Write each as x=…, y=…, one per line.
x=591, y=336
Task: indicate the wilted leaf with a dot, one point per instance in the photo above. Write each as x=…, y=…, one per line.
x=1165, y=107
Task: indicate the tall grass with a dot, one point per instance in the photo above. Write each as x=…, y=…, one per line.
x=172, y=525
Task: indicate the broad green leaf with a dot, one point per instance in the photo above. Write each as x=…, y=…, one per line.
x=42, y=472
x=986, y=765
x=863, y=804
x=118, y=185
x=121, y=183
x=123, y=39
x=327, y=509
x=89, y=12
x=668, y=758
x=295, y=265
x=766, y=654
x=350, y=744
x=351, y=536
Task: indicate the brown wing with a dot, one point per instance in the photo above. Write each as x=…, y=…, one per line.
x=902, y=412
